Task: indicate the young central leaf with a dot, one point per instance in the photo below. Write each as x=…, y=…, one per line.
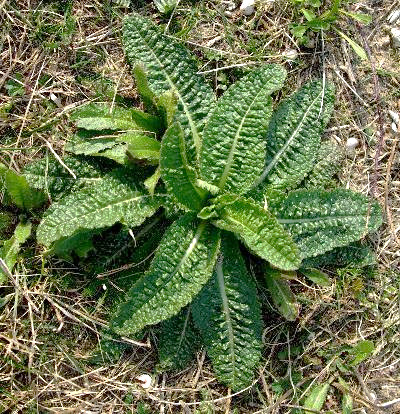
x=170, y=67
x=228, y=316
x=115, y=198
x=259, y=230
x=233, y=149
x=181, y=266
x=176, y=173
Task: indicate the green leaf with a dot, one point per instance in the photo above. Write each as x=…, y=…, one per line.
x=328, y=163
x=360, y=352
x=151, y=182
x=360, y=17
x=6, y=220
x=79, y=243
x=356, y=47
x=102, y=116
x=228, y=316
x=167, y=104
x=142, y=147
x=316, y=276
x=258, y=229
x=320, y=220
x=117, y=153
x=308, y=14
x=234, y=138
x=316, y=399
x=178, y=342
x=281, y=294
x=176, y=173
x=347, y=404
x=10, y=249
x=143, y=88
x=54, y=178
x=21, y=194
x=294, y=134
x=169, y=66
x=183, y=263
x=146, y=121
x=353, y=255
x=165, y=6
x=86, y=143
x=115, y=198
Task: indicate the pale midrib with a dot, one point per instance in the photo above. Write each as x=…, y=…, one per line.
x=97, y=210
x=195, y=133
x=183, y=333
x=241, y=224
x=155, y=298
x=277, y=156
x=187, y=169
x=316, y=219
x=229, y=161
x=226, y=313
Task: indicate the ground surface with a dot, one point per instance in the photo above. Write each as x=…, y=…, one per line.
x=56, y=55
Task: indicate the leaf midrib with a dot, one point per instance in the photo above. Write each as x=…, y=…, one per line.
x=97, y=210
x=316, y=219
x=196, y=136
x=188, y=252
x=228, y=218
x=229, y=161
x=278, y=155
x=226, y=314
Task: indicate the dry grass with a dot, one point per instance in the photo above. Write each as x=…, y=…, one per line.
x=47, y=331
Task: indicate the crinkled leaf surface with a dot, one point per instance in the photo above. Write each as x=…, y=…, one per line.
x=328, y=162
x=102, y=116
x=259, y=230
x=233, y=147
x=177, y=174
x=321, y=220
x=88, y=143
x=115, y=198
x=49, y=175
x=169, y=66
x=353, y=255
x=183, y=263
x=178, y=341
x=228, y=316
x=294, y=134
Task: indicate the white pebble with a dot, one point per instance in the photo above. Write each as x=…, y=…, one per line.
x=145, y=380
x=352, y=143
x=394, y=16
x=291, y=54
x=395, y=35
x=394, y=127
x=247, y=7
x=395, y=116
